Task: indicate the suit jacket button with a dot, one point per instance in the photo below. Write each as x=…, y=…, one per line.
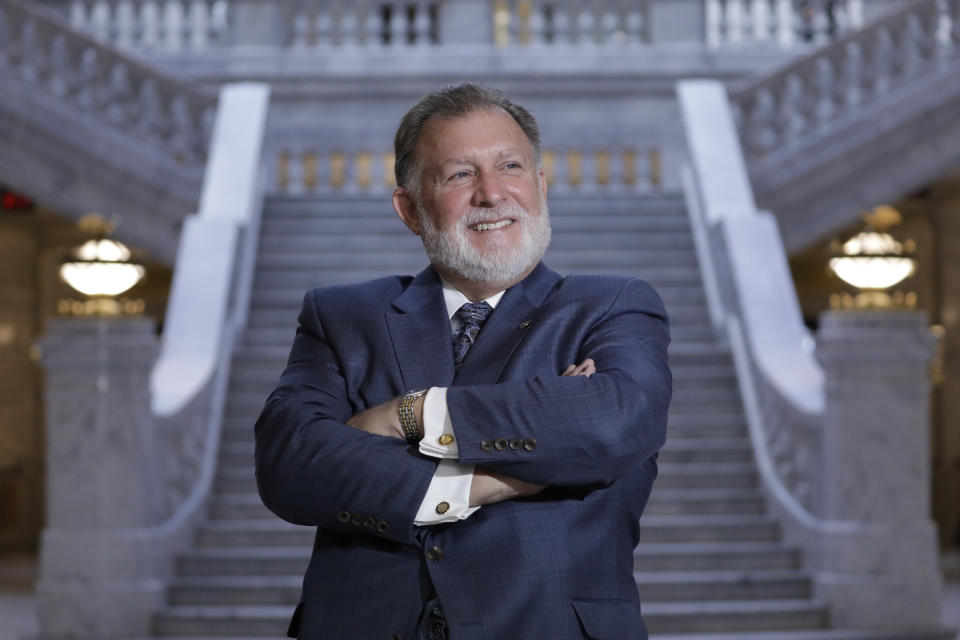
x=530, y=444
x=369, y=522
x=516, y=443
x=356, y=519
x=435, y=553
x=500, y=444
x=383, y=527
x=343, y=516
x=486, y=445
x=443, y=507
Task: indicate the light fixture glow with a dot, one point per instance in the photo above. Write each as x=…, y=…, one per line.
x=102, y=268
x=873, y=260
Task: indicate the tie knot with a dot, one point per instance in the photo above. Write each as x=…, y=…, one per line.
x=473, y=313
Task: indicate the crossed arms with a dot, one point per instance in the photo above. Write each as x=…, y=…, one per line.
x=315, y=461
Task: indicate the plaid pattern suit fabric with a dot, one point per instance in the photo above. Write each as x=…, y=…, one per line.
x=557, y=565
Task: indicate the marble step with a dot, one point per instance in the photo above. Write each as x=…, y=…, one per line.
x=662, y=557
x=566, y=204
x=673, y=529
x=272, y=243
x=274, y=225
x=653, y=587
x=673, y=617
x=246, y=505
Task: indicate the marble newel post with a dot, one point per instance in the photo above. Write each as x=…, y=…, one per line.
x=104, y=478
x=876, y=468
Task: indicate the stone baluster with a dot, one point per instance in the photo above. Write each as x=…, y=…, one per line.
x=537, y=26
x=322, y=28
x=713, y=17
x=824, y=86
x=398, y=25
x=876, y=462
x=786, y=34
x=563, y=23
x=636, y=22
x=150, y=24
x=611, y=28
x=736, y=21
x=125, y=24
x=295, y=178
x=422, y=23
x=198, y=19
x=584, y=25
x=760, y=20
x=349, y=22
x=853, y=75
x=371, y=28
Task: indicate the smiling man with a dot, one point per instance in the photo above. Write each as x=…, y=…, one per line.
x=474, y=444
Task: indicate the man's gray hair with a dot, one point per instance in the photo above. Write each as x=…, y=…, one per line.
x=452, y=102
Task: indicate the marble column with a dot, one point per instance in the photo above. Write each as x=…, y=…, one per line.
x=104, y=478
x=876, y=472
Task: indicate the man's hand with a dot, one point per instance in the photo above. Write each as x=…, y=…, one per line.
x=586, y=368
x=489, y=487
x=383, y=419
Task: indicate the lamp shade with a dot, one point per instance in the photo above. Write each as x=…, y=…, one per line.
x=872, y=260
x=101, y=268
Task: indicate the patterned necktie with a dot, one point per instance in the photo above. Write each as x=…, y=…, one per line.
x=472, y=315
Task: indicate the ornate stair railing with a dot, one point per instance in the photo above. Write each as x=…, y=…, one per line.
x=790, y=120
x=839, y=434
x=103, y=568
x=195, y=25
x=89, y=96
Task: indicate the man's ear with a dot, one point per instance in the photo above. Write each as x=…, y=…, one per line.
x=407, y=210
x=543, y=182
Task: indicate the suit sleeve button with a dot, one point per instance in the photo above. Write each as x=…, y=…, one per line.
x=443, y=507
x=516, y=443
x=530, y=444
x=356, y=519
x=486, y=445
x=343, y=516
x=435, y=553
x=500, y=444
x=383, y=527
x=369, y=522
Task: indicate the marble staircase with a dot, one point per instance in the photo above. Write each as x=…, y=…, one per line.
x=711, y=560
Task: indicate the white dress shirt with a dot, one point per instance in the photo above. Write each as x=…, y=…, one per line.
x=448, y=496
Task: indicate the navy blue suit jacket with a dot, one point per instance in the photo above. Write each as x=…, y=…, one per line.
x=553, y=566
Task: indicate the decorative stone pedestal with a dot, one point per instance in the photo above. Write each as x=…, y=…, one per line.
x=104, y=479
x=876, y=460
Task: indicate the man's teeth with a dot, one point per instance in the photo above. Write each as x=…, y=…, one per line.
x=483, y=226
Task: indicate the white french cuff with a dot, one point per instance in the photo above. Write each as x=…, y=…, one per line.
x=439, y=440
x=448, y=496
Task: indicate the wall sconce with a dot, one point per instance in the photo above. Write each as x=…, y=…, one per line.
x=100, y=269
x=873, y=261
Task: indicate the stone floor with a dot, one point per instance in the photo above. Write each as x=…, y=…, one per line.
x=18, y=618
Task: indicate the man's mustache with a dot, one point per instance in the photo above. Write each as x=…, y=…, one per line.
x=480, y=216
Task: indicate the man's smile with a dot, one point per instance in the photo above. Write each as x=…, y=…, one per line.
x=491, y=226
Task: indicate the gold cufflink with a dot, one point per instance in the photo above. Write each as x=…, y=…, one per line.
x=445, y=439
x=443, y=507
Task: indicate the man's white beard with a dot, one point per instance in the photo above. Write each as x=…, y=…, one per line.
x=501, y=266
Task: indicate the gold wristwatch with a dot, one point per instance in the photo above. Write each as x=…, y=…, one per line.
x=408, y=419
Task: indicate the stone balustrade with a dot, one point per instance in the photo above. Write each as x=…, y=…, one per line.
x=781, y=110
x=192, y=25
x=553, y=22
x=39, y=48
x=298, y=169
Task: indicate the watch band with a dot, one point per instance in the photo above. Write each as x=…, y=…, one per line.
x=408, y=419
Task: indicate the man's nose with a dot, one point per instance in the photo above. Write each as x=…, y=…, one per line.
x=489, y=191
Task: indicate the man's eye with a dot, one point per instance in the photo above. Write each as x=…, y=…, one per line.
x=512, y=165
x=460, y=174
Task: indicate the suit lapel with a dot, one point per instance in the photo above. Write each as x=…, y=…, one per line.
x=420, y=332
x=502, y=333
